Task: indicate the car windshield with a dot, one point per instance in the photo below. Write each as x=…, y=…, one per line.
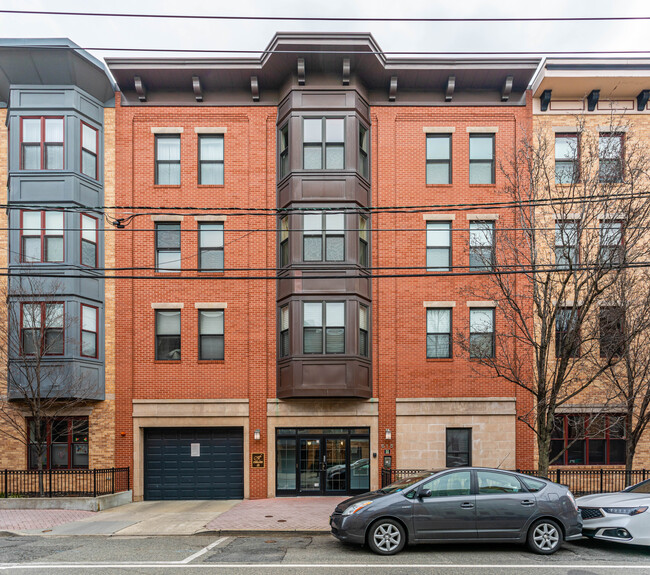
x=405, y=483
x=643, y=487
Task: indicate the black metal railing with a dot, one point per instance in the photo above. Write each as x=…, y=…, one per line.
x=579, y=481
x=64, y=482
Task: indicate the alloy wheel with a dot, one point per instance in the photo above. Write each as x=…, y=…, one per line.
x=546, y=536
x=387, y=537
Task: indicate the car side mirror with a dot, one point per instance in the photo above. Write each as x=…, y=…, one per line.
x=424, y=493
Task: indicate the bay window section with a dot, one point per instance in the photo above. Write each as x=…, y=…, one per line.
x=323, y=327
x=88, y=241
x=364, y=145
x=42, y=237
x=363, y=330
x=89, y=331
x=168, y=335
x=42, y=328
x=42, y=143
x=284, y=241
x=89, y=141
x=323, y=143
x=211, y=334
x=284, y=151
x=323, y=228
x=363, y=241
x=211, y=165
x=211, y=247
x=284, y=331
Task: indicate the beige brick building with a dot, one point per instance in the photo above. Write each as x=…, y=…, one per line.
x=590, y=116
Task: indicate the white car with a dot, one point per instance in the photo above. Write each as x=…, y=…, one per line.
x=623, y=516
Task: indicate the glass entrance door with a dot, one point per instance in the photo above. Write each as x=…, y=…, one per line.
x=324, y=461
x=309, y=469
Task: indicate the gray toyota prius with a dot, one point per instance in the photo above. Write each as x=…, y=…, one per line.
x=470, y=504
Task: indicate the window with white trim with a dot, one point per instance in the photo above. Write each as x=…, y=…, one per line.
x=438, y=333
x=481, y=332
x=438, y=246
x=211, y=165
x=211, y=246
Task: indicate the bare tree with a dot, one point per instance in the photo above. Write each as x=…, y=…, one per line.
x=625, y=343
x=579, y=210
x=42, y=384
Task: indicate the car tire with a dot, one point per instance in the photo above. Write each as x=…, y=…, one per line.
x=544, y=537
x=386, y=537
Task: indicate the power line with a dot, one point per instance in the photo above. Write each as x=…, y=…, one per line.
x=326, y=18
x=156, y=210
x=431, y=274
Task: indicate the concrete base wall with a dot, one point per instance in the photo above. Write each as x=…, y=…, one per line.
x=77, y=503
x=422, y=424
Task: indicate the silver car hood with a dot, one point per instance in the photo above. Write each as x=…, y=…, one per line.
x=619, y=499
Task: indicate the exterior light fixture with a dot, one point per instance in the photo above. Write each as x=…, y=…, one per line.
x=256, y=435
x=389, y=435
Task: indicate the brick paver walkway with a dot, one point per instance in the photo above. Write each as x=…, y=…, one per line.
x=22, y=519
x=279, y=514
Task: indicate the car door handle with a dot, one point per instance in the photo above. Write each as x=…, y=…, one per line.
x=527, y=502
x=467, y=505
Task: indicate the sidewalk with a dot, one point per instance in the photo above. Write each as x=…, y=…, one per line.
x=285, y=515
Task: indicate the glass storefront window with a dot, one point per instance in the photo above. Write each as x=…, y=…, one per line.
x=286, y=463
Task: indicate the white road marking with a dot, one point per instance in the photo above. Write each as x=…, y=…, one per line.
x=393, y=566
x=202, y=551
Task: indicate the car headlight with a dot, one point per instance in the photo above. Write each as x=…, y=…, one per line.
x=356, y=507
x=624, y=510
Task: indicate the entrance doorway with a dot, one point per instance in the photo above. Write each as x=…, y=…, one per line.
x=322, y=461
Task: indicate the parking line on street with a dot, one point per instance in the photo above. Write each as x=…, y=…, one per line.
x=177, y=565
x=203, y=551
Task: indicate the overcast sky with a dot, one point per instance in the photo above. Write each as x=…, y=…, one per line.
x=252, y=35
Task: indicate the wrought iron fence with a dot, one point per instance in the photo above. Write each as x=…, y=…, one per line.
x=64, y=482
x=579, y=481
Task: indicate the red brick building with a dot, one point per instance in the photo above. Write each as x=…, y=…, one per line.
x=290, y=298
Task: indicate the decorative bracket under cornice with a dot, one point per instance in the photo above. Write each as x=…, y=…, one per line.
x=507, y=88
x=196, y=86
x=255, y=89
x=392, y=91
x=592, y=100
x=301, y=71
x=545, y=100
x=451, y=86
x=346, y=71
x=140, y=89
x=642, y=100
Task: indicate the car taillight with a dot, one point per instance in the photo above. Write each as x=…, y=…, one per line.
x=573, y=500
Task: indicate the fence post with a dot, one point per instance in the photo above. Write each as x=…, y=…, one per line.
x=94, y=483
x=644, y=474
x=557, y=476
x=601, y=479
x=6, y=485
x=50, y=480
x=113, y=480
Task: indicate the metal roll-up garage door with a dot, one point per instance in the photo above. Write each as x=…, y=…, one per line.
x=194, y=463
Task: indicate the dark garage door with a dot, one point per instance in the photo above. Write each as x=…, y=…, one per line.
x=171, y=472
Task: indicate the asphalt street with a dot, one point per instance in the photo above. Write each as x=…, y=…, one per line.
x=274, y=554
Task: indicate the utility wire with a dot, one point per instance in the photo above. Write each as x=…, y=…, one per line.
x=326, y=18
x=431, y=274
x=156, y=210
